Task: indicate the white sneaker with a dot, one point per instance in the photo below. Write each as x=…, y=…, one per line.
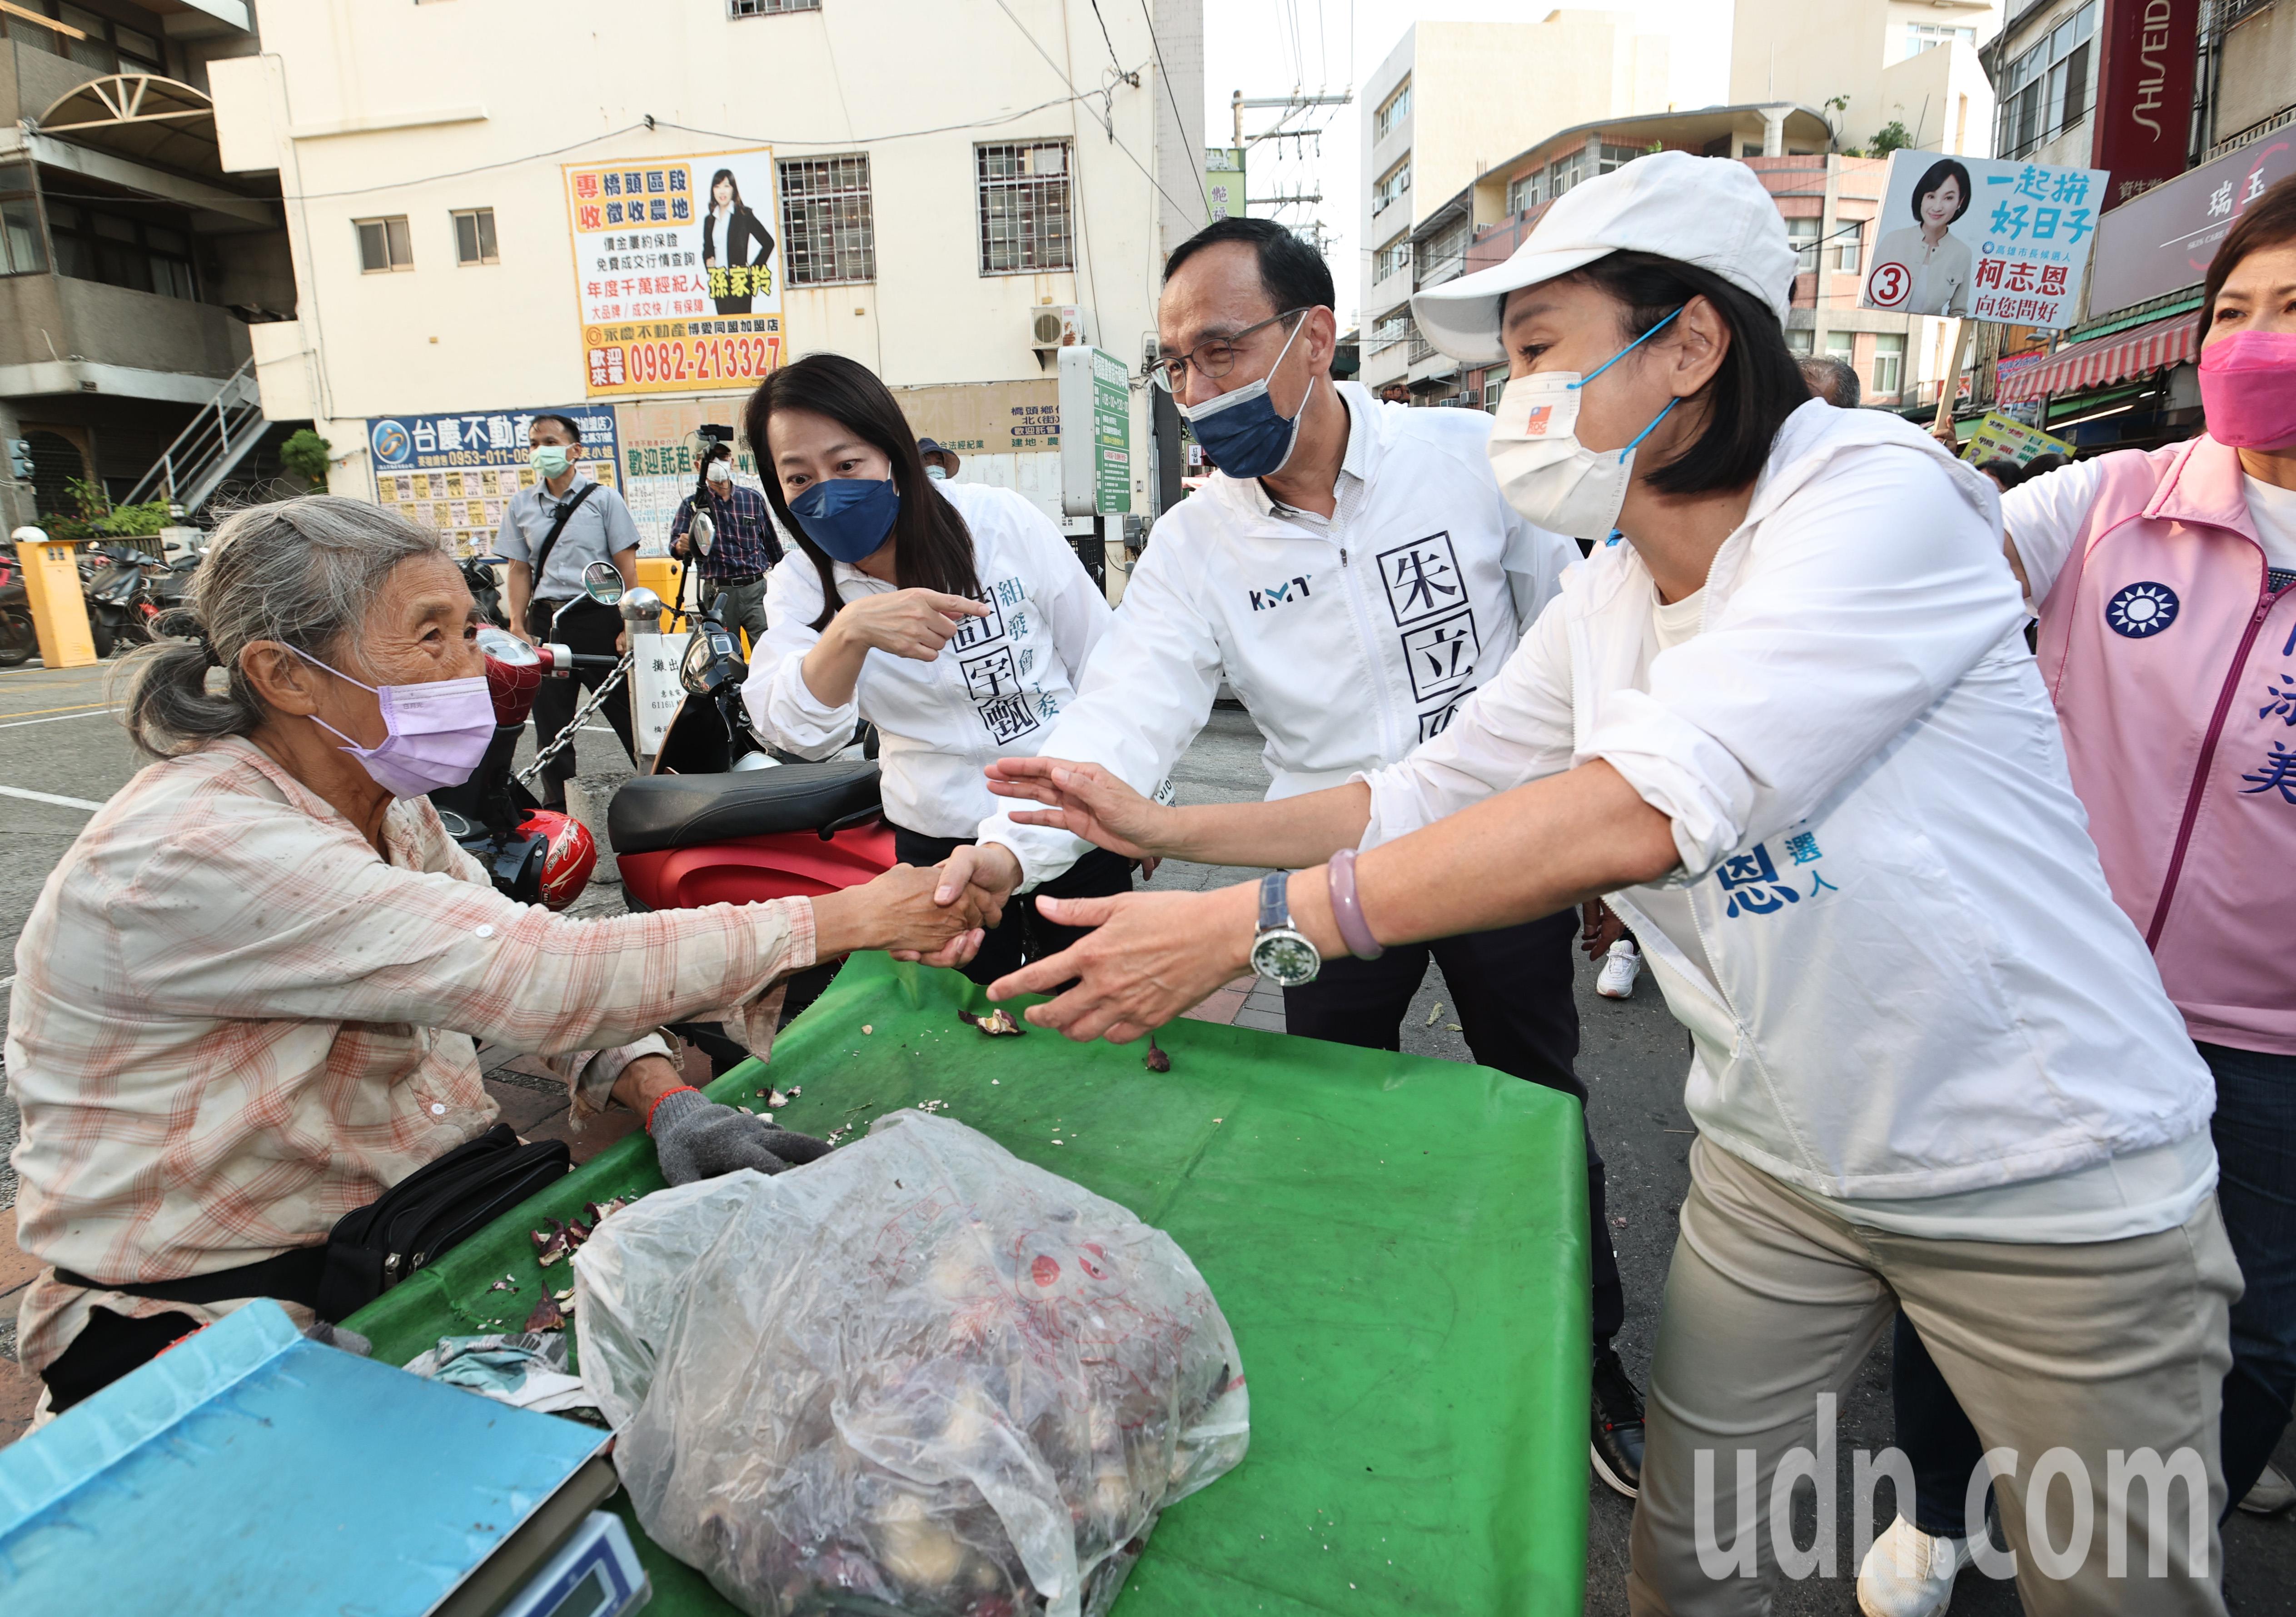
x=1908, y=1573
x=2272, y=1494
x=1620, y=967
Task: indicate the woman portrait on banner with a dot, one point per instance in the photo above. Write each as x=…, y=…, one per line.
x=1930, y=264
x=730, y=236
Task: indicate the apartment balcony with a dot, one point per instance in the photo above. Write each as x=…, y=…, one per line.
x=58, y=334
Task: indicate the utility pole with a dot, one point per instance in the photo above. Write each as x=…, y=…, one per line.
x=1298, y=193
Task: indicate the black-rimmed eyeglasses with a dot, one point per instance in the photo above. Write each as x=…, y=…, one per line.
x=1213, y=359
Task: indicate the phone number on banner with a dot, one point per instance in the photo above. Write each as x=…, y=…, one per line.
x=680, y=356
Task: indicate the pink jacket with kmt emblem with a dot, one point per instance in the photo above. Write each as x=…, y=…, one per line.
x=2172, y=663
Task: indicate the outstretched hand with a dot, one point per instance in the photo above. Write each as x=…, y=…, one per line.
x=1086, y=800
x=912, y=623
x=1151, y=956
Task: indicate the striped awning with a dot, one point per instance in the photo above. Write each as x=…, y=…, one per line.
x=2102, y=361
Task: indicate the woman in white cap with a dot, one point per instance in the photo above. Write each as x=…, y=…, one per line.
x=1788, y=728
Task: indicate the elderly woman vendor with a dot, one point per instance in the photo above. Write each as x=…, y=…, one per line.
x=247, y=998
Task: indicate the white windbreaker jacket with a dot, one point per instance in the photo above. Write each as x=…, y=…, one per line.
x=1901, y=968
x=1350, y=645
x=992, y=692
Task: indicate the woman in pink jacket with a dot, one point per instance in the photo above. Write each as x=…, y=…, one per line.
x=2162, y=579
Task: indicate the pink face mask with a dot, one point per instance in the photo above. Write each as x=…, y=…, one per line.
x=434, y=735
x=2248, y=389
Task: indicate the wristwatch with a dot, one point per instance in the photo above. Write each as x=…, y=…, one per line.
x=1280, y=953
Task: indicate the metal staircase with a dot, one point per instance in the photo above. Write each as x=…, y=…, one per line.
x=208, y=450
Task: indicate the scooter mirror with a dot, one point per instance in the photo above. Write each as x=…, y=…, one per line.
x=704, y=532
x=602, y=581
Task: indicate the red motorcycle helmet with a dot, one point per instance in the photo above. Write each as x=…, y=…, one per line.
x=513, y=674
x=570, y=858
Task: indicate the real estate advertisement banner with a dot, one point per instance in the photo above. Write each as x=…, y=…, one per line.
x=986, y=417
x=2000, y=242
x=678, y=272
x=454, y=473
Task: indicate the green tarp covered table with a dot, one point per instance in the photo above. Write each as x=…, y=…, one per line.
x=1399, y=1243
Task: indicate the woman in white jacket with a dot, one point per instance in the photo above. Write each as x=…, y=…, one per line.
x=953, y=617
x=1789, y=729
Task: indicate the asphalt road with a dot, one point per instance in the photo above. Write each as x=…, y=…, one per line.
x=58, y=738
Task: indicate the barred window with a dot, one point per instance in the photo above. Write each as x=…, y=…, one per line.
x=1024, y=207
x=768, y=8
x=828, y=232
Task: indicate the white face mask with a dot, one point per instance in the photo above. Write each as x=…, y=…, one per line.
x=720, y=473
x=1545, y=473
x=940, y=474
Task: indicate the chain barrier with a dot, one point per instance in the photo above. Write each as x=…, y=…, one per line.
x=527, y=777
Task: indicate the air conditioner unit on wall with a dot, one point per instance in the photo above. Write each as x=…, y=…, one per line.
x=1057, y=325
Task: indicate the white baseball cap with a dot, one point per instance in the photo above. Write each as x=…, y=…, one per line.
x=1710, y=211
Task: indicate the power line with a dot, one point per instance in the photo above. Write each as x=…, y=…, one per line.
x=1113, y=61
x=1164, y=75
x=650, y=124
x=508, y=162
x=1079, y=96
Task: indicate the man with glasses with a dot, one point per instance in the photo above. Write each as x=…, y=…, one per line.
x=1353, y=574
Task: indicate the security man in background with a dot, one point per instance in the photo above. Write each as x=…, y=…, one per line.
x=550, y=533
x=1353, y=572
x=746, y=547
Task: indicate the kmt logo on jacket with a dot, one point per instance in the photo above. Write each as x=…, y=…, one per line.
x=2141, y=610
x=1269, y=600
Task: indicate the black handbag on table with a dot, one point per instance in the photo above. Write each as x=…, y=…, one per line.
x=373, y=1248
x=432, y=1209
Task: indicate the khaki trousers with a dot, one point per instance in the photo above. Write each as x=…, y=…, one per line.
x=2076, y=1357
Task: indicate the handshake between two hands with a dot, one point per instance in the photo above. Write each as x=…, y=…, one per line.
x=1149, y=956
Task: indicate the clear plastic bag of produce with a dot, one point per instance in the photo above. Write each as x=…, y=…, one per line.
x=919, y=1375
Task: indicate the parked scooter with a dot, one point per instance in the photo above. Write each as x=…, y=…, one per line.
x=119, y=605
x=486, y=587
x=173, y=581
x=723, y=822
x=534, y=855
x=19, y=641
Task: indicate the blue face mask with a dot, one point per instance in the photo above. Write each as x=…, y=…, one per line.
x=848, y=517
x=1240, y=431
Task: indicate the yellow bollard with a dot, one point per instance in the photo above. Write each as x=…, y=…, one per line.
x=52, y=589
x=659, y=575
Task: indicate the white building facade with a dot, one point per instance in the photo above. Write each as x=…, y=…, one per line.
x=1451, y=100
x=950, y=205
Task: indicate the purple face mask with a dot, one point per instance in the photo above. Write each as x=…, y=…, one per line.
x=434, y=735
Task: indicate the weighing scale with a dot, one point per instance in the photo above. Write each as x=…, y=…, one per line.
x=248, y=1469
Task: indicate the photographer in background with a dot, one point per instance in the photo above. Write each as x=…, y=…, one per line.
x=745, y=548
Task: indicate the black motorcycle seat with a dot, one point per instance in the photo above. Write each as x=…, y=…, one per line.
x=654, y=812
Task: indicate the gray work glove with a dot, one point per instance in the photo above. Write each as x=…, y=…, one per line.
x=696, y=1138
